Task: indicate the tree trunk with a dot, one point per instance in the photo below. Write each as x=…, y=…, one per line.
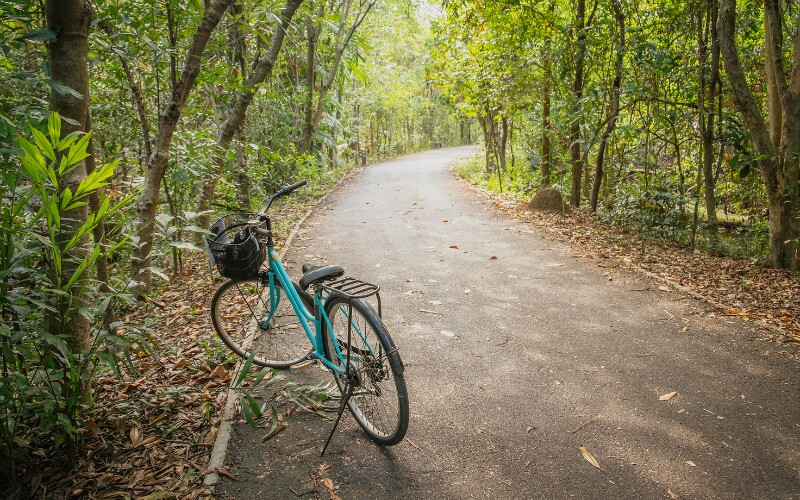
x=774, y=106
x=713, y=91
x=99, y=232
x=779, y=165
x=614, y=108
x=236, y=116
x=147, y=204
x=312, y=34
x=486, y=145
x=547, y=126
x=577, y=91
x=69, y=64
x=501, y=141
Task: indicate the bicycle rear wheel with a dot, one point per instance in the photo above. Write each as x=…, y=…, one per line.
x=244, y=320
x=379, y=401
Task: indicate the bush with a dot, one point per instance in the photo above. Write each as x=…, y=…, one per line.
x=45, y=371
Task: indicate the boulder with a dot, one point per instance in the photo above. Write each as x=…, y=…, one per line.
x=548, y=200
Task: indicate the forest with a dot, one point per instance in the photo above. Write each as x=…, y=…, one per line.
x=126, y=125
x=675, y=118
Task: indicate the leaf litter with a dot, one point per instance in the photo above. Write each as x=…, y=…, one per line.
x=151, y=433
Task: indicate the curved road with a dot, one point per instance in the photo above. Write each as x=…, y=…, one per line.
x=515, y=363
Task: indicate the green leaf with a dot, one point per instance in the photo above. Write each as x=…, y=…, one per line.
x=77, y=153
x=164, y=219
x=83, y=266
x=254, y=406
x=184, y=245
x=54, y=127
x=40, y=35
x=96, y=179
x=263, y=373
x=66, y=197
x=245, y=369
x=33, y=162
x=62, y=89
x=275, y=421
x=44, y=145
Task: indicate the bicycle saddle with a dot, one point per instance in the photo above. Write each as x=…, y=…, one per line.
x=312, y=274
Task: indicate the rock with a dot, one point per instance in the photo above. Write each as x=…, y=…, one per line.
x=548, y=200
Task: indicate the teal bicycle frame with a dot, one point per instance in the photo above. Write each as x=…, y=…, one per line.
x=276, y=269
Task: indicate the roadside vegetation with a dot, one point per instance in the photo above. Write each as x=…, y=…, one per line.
x=671, y=119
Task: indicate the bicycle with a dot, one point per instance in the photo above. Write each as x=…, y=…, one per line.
x=264, y=316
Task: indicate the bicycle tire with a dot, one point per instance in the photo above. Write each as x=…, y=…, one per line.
x=380, y=402
x=239, y=310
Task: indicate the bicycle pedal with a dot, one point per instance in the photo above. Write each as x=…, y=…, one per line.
x=305, y=365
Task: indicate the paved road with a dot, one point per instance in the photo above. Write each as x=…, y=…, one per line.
x=550, y=353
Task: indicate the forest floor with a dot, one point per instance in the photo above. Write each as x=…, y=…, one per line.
x=152, y=433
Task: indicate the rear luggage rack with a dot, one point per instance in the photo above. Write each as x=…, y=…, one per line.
x=353, y=288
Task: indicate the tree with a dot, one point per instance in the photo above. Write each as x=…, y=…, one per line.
x=69, y=65
x=349, y=22
x=147, y=205
x=778, y=161
x=614, y=105
x=262, y=69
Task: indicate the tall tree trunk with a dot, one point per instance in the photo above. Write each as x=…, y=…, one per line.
x=501, y=141
x=779, y=164
x=614, y=107
x=147, y=204
x=99, y=232
x=774, y=105
x=577, y=95
x=713, y=91
x=236, y=116
x=69, y=64
x=547, y=125
x=487, y=147
x=312, y=34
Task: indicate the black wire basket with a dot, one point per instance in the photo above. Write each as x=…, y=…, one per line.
x=234, y=248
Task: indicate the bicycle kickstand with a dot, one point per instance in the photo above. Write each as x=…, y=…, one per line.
x=345, y=398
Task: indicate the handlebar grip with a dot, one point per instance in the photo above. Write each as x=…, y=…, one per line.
x=296, y=185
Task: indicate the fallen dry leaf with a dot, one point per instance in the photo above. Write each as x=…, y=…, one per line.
x=453, y=246
x=135, y=437
x=92, y=425
x=667, y=397
x=219, y=373
x=589, y=457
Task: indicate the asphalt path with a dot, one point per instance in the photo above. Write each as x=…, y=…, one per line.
x=520, y=355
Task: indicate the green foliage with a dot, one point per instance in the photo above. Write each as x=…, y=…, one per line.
x=656, y=213
x=46, y=372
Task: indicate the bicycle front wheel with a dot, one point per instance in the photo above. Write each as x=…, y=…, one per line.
x=379, y=401
x=245, y=320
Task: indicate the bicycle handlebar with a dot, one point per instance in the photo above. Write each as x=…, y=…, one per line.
x=284, y=191
x=294, y=186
